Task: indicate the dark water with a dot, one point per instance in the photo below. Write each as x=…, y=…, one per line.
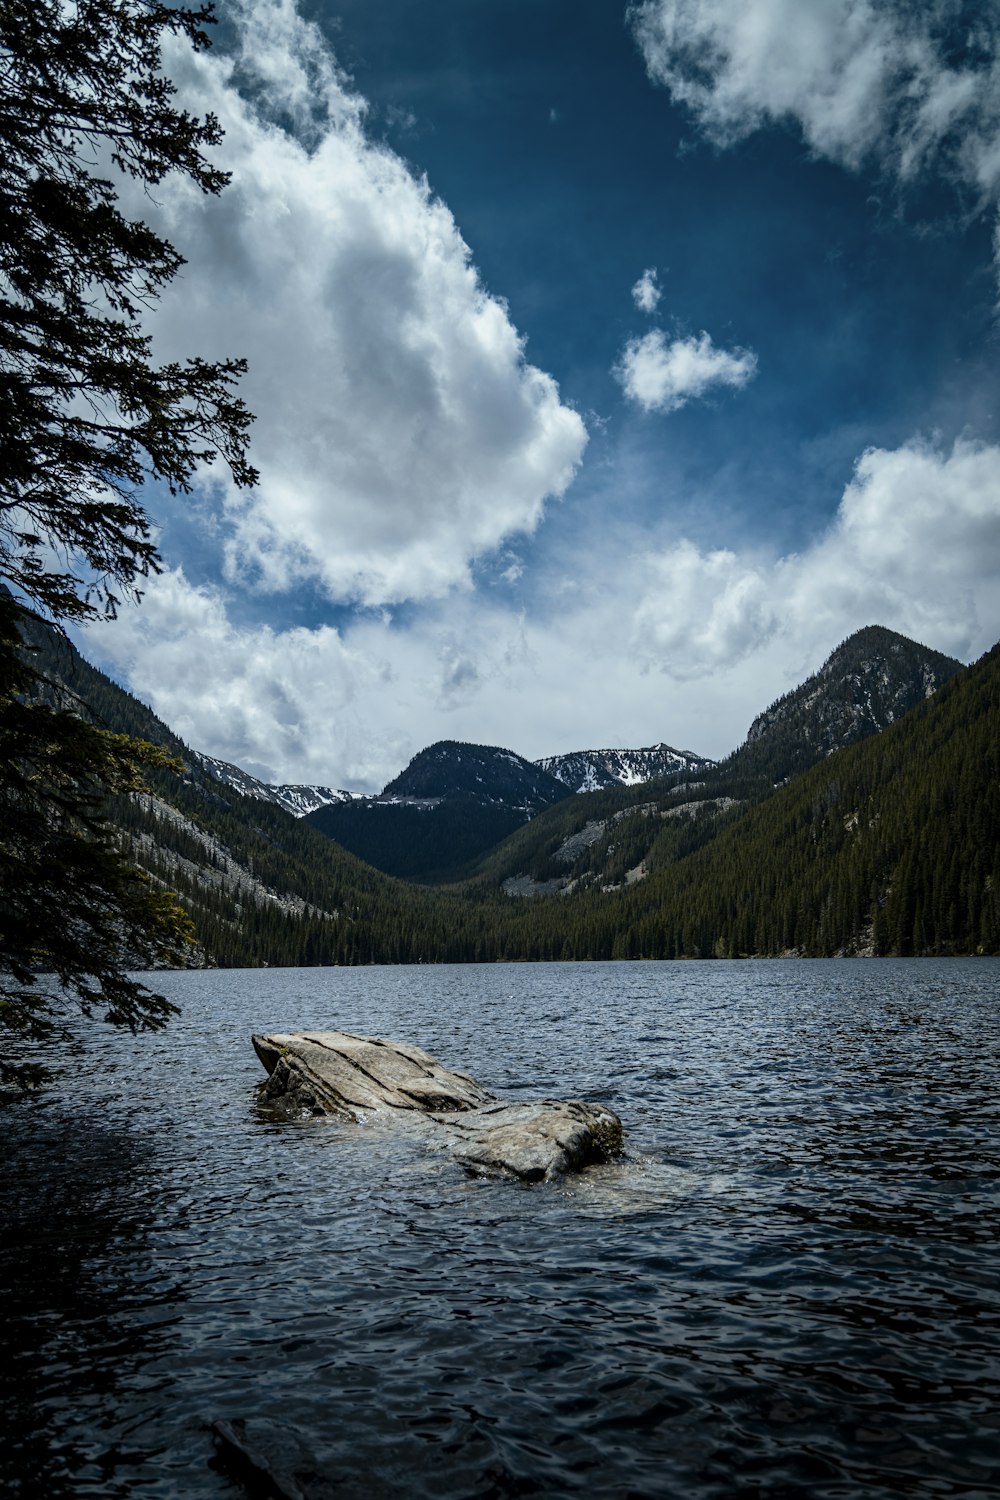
x=791, y=1286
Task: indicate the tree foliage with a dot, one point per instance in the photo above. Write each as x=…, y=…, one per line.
x=86, y=413
x=87, y=417
x=72, y=911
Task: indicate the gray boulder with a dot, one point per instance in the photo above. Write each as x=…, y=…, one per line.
x=365, y=1078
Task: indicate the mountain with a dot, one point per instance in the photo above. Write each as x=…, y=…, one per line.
x=453, y=802
x=612, y=838
x=296, y=799
x=450, y=768
x=870, y=680
x=890, y=845
x=261, y=885
x=887, y=845
x=594, y=770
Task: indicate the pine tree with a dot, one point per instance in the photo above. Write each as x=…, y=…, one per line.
x=72, y=910
x=86, y=418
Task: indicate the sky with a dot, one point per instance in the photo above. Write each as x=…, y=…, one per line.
x=611, y=364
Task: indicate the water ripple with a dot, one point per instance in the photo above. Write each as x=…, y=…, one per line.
x=788, y=1287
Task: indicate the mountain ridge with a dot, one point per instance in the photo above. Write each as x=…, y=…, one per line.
x=296, y=798
x=815, y=717
x=580, y=770
x=829, y=710
x=888, y=845
x=595, y=770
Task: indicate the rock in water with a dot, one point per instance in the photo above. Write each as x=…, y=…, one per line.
x=535, y=1141
x=337, y=1073
x=358, y=1077
x=269, y=1459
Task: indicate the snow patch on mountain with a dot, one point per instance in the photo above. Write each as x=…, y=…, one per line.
x=298, y=800
x=593, y=770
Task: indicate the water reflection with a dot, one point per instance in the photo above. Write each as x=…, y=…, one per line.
x=85, y=1314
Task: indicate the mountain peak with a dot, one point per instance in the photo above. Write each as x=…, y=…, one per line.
x=488, y=773
x=868, y=682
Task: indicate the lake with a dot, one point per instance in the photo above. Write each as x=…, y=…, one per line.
x=789, y=1286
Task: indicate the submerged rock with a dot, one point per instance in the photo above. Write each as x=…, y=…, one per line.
x=361, y=1077
x=268, y=1458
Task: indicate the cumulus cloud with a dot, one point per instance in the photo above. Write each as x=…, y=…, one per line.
x=284, y=704
x=861, y=79
x=400, y=430
x=917, y=539
x=702, y=611
x=915, y=545
x=646, y=294
x=663, y=377
x=321, y=706
x=350, y=709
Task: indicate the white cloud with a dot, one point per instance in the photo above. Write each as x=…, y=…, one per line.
x=861, y=79
x=917, y=540
x=284, y=704
x=646, y=294
x=400, y=431
x=663, y=377
x=915, y=546
x=315, y=705
x=701, y=612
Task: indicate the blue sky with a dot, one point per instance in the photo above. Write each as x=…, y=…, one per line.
x=610, y=367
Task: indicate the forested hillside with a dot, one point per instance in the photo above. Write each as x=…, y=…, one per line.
x=621, y=834
x=887, y=846
x=262, y=886
x=890, y=846
x=452, y=803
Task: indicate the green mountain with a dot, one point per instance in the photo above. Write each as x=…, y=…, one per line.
x=891, y=845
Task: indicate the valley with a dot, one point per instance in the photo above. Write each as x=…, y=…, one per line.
x=860, y=815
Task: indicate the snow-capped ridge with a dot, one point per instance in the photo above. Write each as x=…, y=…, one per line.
x=294, y=798
x=594, y=770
